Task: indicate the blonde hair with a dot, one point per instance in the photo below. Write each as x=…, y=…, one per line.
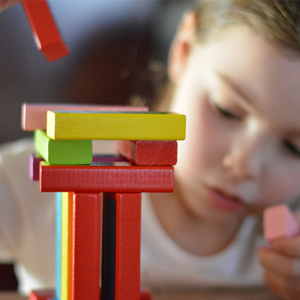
x=276, y=20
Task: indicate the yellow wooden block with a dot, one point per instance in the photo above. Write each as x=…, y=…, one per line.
x=64, y=125
x=66, y=244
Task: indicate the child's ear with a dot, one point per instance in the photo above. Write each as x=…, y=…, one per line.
x=182, y=45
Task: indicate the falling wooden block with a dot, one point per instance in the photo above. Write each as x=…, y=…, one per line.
x=279, y=222
x=34, y=116
x=63, y=125
x=121, y=252
x=86, y=246
x=109, y=178
x=45, y=32
x=56, y=152
x=149, y=153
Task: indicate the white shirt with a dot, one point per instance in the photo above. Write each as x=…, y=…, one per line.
x=165, y=265
x=27, y=236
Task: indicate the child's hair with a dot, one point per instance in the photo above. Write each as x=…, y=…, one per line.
x=276, y=20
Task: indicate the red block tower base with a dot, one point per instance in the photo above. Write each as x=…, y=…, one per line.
x=145, y=294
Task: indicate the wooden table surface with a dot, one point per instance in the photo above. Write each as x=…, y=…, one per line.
x=220, y=294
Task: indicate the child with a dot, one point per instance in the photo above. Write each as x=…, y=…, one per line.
x=234, y=70
x=235, y=67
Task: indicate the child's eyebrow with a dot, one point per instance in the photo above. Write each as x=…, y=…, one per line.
x=236, y=88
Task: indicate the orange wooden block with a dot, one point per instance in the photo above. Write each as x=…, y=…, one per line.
x=45, y=32
x=86, y=246
x=109, y=178
x=149, y=153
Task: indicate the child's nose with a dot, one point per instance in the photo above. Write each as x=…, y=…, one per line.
x=247, y=159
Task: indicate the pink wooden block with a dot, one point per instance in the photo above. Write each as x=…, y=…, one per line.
x=279, y=222
x=34, y=116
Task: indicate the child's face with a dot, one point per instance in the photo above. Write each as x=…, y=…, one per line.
x=241, y=97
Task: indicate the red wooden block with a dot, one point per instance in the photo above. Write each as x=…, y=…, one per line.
x=128, y=243
x=35, y=167
x=149, y=153
x=121, y=259
x=145, y=294
x=86, y=246
x=106, y=178
x=45, y=32
x=41, y=294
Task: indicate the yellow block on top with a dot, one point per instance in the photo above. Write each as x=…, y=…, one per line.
x=64, y=125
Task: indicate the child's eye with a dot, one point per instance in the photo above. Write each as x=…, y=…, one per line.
x=224, y=112
x=295, y=151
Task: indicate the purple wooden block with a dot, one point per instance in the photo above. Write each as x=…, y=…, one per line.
x=35, y=167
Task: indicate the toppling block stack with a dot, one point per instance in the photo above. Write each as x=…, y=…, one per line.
x=146, y=151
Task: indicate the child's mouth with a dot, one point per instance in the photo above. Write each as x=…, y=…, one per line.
x=224, y=201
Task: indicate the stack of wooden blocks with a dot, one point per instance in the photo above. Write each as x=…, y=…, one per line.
x=92, y=188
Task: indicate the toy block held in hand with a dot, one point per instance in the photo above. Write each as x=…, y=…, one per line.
x=121, y=252
x=149, y=153
x=279, y=222
x=34, y=116
x=56, y=152
x=45, y=32
x=63, y=125
x=110, y=178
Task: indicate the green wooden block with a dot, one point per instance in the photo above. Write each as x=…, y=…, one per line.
x=60, y=152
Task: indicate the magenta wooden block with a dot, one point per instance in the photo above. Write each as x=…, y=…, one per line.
x=35, y=167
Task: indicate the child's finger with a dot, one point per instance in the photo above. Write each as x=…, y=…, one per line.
x=286, y=289
x=289, y=246
x=280, y=264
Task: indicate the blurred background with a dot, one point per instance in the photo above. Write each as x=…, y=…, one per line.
x=112, y=43
x=118, y=54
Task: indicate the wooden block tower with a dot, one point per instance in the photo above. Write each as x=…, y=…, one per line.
x=103, y=188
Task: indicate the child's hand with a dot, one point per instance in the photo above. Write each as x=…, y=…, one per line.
x=282, y=266
x=7, y=3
